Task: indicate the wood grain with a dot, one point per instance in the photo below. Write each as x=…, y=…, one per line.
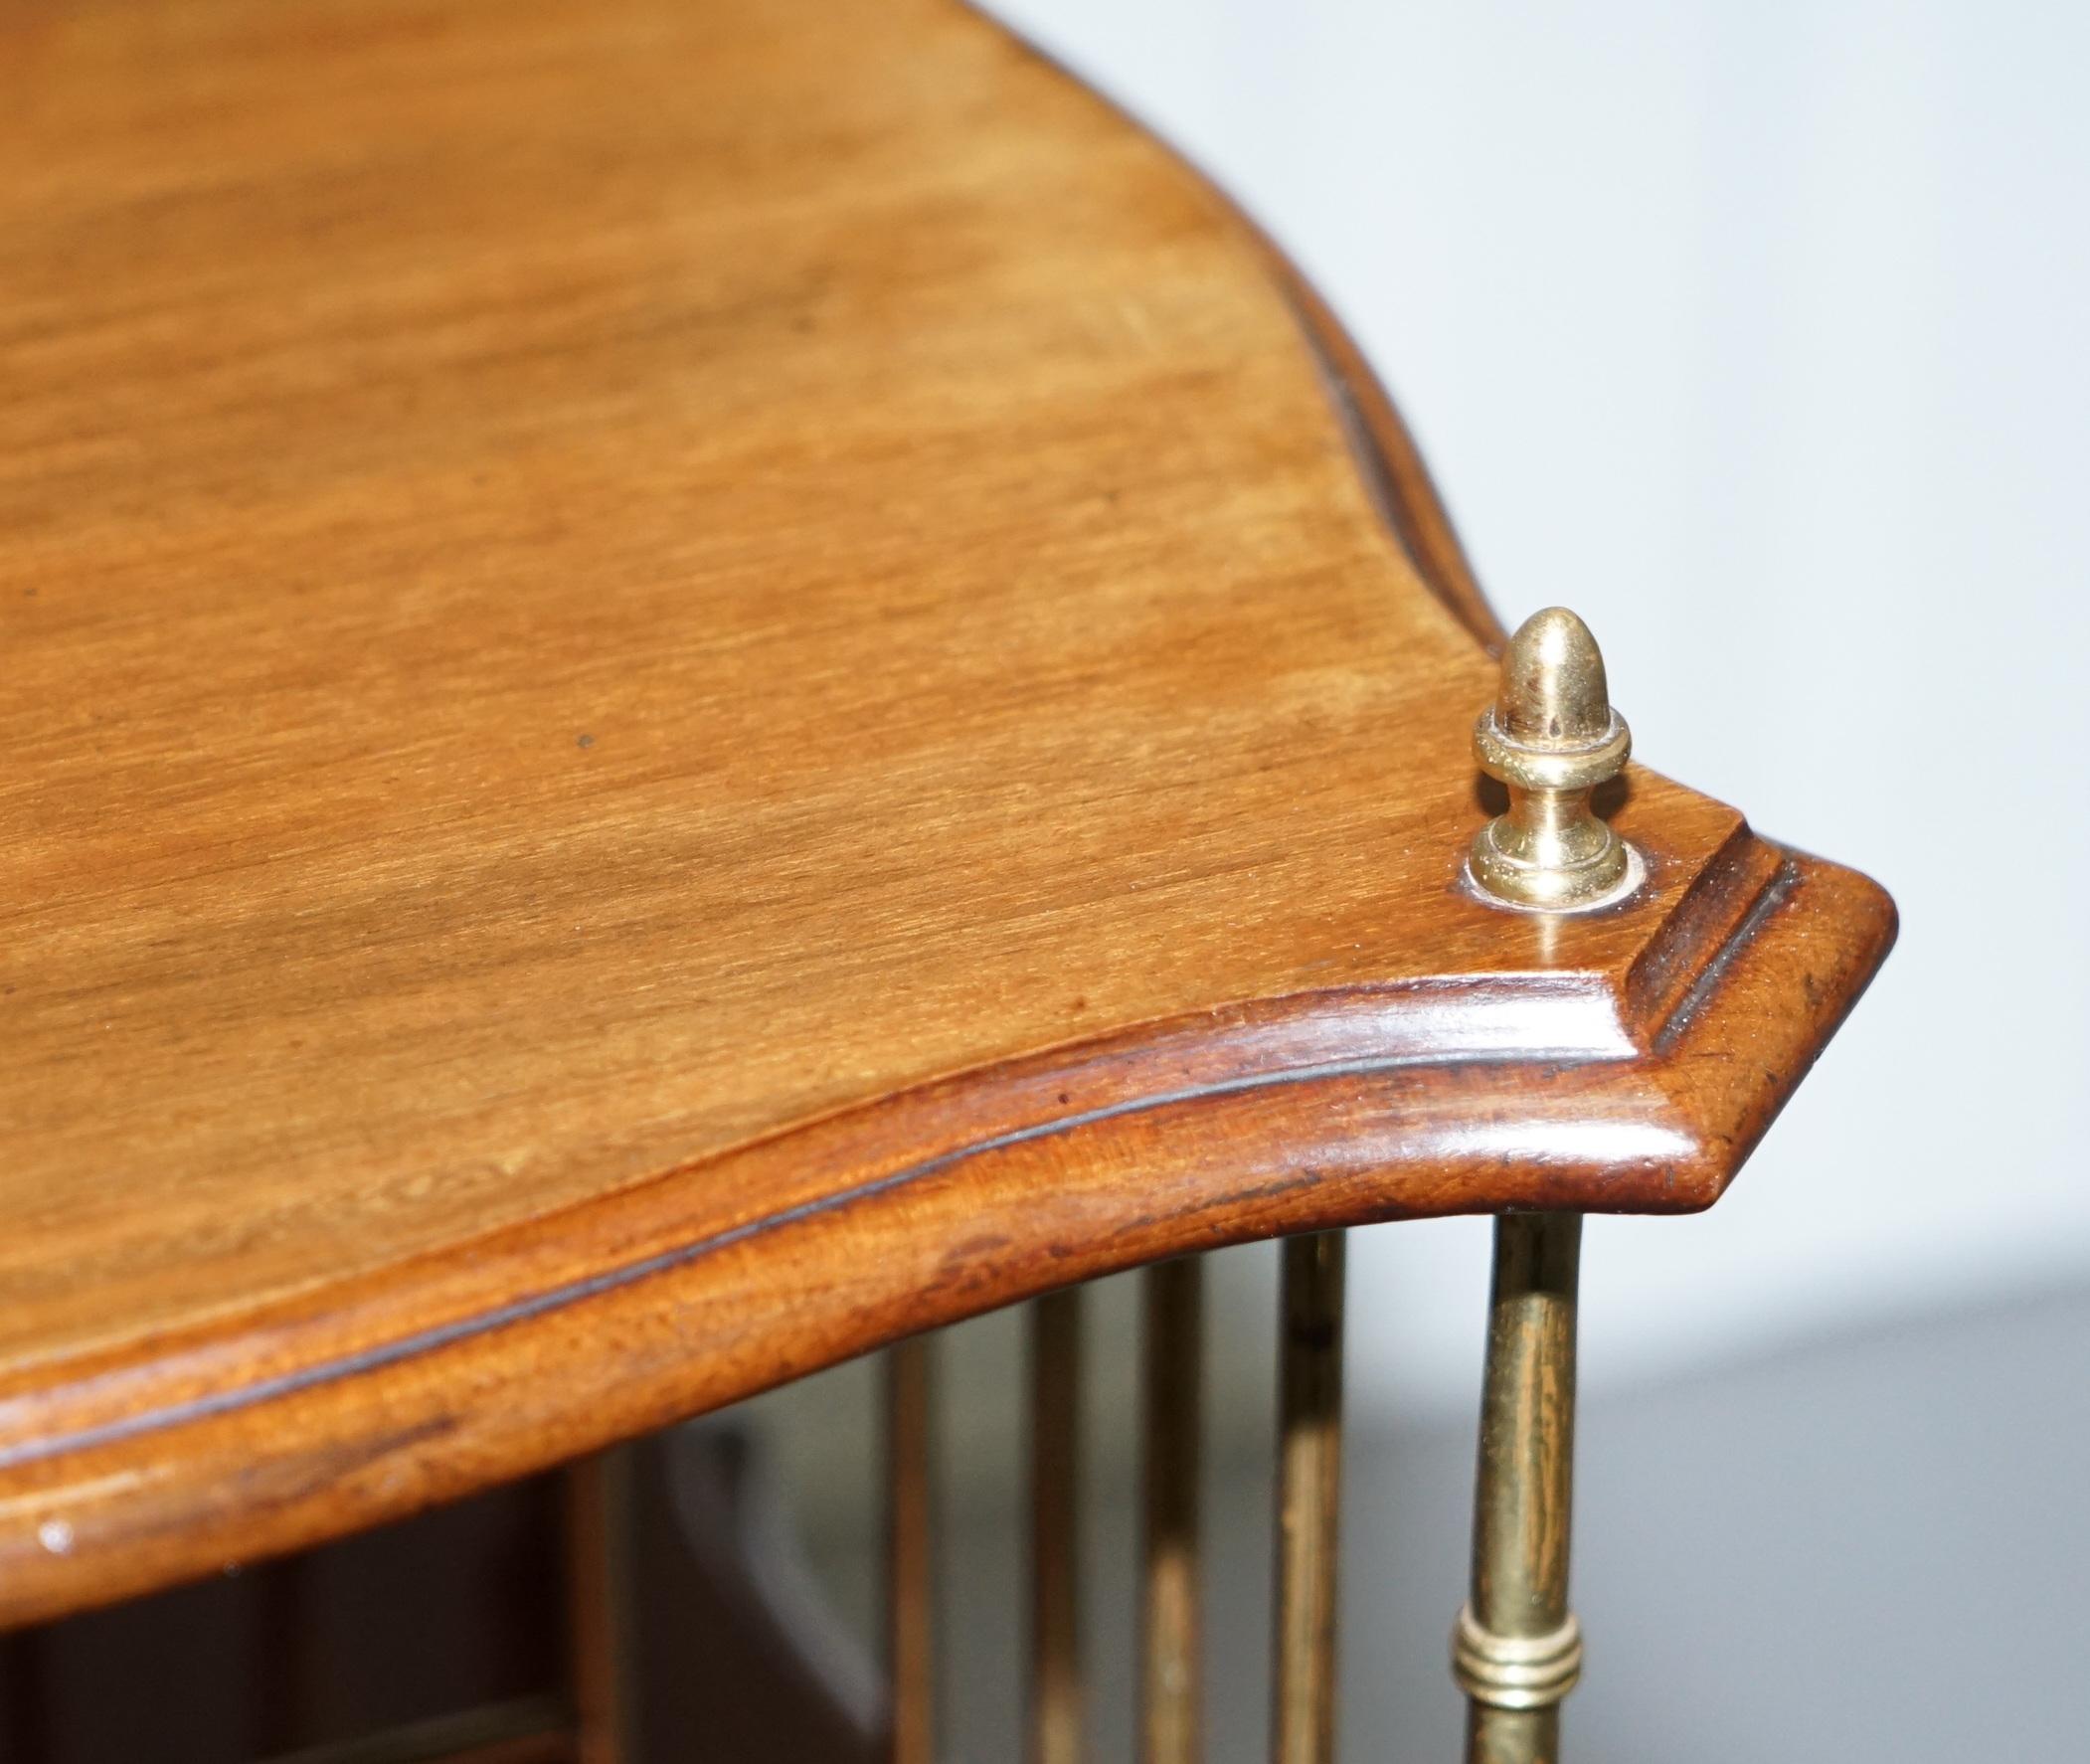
x=681, y=702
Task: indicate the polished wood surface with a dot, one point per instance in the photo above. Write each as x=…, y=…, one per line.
x=680, y=702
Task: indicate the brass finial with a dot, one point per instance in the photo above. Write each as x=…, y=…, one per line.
x=1552, y=737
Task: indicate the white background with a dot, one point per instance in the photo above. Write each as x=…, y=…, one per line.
x=1755, y=333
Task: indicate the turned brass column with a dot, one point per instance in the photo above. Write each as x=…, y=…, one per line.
x=909, y=1571
x=1057, y=1705
x=1516, y=1650
x=1171, y=1683
x=1552, y=738
x=1309, y=1498
x=597, y=1503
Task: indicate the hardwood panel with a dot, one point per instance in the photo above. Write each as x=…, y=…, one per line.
x=682, y=701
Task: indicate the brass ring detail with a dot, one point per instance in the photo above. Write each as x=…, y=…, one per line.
x=1532, y=766
x=1515, y=1671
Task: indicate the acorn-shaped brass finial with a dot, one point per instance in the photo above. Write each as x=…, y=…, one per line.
x=1552, y=737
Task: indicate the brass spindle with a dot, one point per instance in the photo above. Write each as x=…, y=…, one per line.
x=1310, y=1482
x=1170, y=1684
x=1055, y=1639
x=1517, y=1651
x=599, y=1590
x=910, y=1552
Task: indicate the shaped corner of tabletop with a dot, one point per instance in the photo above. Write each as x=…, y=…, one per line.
x=728, y=704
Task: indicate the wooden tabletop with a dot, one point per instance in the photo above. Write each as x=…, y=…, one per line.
x=687, y=686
